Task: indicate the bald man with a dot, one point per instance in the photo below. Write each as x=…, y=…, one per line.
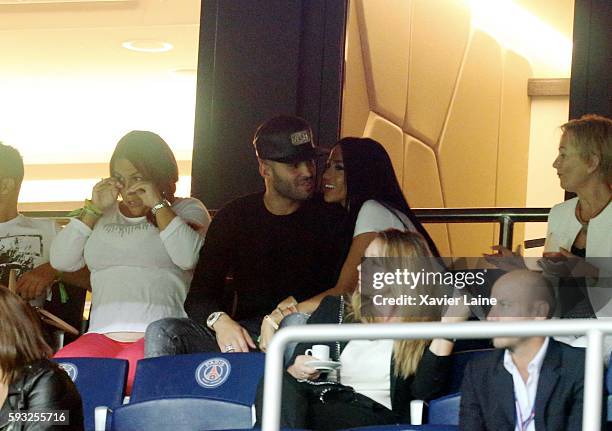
x=528, y=383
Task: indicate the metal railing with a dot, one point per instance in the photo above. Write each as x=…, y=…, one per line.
x=593, y=378
x=505, y=217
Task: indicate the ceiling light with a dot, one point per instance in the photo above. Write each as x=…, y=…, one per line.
x=146, y=45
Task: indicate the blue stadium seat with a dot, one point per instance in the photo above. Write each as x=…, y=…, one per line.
x=445, y=410
x=100, y=381
x=182, y=414
x=259, y=429
x=229, y=377
x=406, y=428
x=203, y=391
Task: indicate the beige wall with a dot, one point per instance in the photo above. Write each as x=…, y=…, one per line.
x=542, y=182
x=441, y=86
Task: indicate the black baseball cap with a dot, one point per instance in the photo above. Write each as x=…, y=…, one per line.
x=285, y=139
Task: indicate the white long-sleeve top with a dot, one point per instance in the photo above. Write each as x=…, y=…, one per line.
x=138, y=274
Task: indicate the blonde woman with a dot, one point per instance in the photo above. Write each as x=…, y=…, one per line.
x=378, y=378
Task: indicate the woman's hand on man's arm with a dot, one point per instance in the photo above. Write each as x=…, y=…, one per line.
x=271, y=322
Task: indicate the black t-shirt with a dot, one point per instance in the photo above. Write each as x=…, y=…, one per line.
x=268, y=257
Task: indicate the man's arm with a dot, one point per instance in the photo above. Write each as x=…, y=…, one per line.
x=347, y=281
x=33, y=283
x=80, y=278
x=470, y=413
x=205, y=295
x=207, y=286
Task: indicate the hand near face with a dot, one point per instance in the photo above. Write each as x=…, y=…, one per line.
x=105, y=193
x=147, y=192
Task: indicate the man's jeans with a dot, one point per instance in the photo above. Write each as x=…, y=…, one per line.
x=174, y=336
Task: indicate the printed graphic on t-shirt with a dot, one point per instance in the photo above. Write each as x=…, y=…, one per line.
x=127, y=229
x=18, y=252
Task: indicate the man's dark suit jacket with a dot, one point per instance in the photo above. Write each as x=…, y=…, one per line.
x=487, y=392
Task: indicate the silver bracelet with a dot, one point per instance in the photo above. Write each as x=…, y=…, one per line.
x=161, y=204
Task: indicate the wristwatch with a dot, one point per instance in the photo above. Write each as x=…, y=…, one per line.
x=212, y=319
x=161, y=204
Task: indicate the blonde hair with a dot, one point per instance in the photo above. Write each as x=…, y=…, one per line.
x=591, y=135
x=395, y=243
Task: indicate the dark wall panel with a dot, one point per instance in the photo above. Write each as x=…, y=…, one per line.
x=591, y=81
x=258, y=59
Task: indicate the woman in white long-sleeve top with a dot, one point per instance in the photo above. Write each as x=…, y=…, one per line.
x=141, y=250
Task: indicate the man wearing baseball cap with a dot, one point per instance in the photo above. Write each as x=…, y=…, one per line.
x=260, y=249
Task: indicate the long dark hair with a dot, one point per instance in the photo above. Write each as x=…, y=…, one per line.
x=153, y=158
x=369, y=174
x=21, y=339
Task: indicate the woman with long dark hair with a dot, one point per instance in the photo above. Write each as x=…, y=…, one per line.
x=29, y=382
x=359, y=176
x=141, y=250
x=359, y=171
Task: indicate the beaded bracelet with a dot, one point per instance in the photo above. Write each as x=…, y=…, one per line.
x=91, y=208
x=88, y=208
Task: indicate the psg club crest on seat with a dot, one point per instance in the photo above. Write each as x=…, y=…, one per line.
x=213, y=372
x=70, y=369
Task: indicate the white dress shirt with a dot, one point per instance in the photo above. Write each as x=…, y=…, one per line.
x=525, y=392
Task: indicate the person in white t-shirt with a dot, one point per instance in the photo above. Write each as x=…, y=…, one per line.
x=25, y=241
x=359, y=176
x=141, y=250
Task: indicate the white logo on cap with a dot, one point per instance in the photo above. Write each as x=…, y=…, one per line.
x=299, y=138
